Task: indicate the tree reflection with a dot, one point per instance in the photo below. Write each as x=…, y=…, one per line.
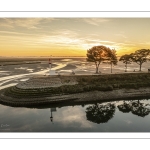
x=136, y=107
x=125, y=107
x=140, y=109
x=99, y=113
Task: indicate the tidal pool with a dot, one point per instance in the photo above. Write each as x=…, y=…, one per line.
x=116, y=116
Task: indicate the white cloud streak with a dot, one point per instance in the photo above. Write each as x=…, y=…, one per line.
x=95, y=21
x=121, y=35
x=29, y=23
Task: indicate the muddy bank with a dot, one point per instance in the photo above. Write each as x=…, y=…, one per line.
x=92, y=96
x=41, y=90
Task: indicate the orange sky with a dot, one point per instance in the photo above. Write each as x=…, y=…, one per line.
x=71, y=36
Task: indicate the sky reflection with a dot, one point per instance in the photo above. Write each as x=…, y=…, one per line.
x=70, y=119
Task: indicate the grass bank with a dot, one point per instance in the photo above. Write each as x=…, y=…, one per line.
x=85, y=84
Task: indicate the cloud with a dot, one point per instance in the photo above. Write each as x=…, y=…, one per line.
x=69, y=116
x=29, y=23
x=144, y=43
x=95, y=21
x=68, y=38
x=62, y=37
x=11, y=33
x=65, y=32
x=121, y=35
x=19, y=39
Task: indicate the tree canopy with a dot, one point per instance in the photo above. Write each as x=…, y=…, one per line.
x=126, y=59
x=98, y=54
x=100, y=113
x=140, y=56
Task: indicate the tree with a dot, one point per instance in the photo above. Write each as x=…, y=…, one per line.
x=112, y=58
x=126, y=59
x=98, y=54
x=140, y=56
x=100, y=113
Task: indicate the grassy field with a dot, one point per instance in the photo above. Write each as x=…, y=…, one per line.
x=85, y=83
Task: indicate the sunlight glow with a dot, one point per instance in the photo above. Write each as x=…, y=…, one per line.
x=71, y=36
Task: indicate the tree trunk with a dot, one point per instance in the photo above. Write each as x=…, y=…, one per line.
x=111, y=67
x=96, y=69
x=97, y=66
x=126, y=67
x=140, y=66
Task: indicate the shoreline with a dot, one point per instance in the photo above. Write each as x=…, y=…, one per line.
x=92, y=96
x=43, y=90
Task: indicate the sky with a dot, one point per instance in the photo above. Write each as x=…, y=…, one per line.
x=71, y=36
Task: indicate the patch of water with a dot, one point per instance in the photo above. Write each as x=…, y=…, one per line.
x=66, y=60
x=22, y=68
x=4, y=71
x=30, y=70
x=116, y=116
x=60, y=65
x=24, y=79
x=8, y=85
x=65, y=71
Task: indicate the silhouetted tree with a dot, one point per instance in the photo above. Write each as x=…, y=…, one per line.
x=100, y=113
x=140, y=56
x=98, y=54
x=112, y=57
x=140, y=109
x=126, y=59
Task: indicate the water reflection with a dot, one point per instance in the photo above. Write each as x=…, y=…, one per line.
x=115, y=116
x=103, y=112
x=52, y=110
x=140, y=109
x=125, y=107
x=136, y=107
x=100, y=113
